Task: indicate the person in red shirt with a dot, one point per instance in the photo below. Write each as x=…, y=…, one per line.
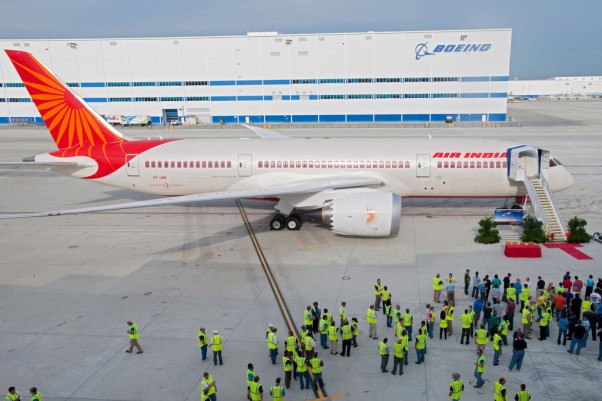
x=577, y=285
x=559, y=304
x=567, y=284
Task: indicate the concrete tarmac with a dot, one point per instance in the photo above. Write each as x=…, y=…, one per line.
x=69, y=284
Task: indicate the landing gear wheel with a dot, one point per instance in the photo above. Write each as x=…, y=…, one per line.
x=293, y=222
x=277, y=222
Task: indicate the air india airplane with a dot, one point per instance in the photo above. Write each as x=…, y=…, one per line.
x=357, y=183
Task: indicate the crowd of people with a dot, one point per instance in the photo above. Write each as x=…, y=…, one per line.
x=497, y=308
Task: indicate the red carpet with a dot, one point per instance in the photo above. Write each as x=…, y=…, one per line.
x=571, y=249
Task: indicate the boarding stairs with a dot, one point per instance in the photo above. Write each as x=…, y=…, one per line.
x=545, y=206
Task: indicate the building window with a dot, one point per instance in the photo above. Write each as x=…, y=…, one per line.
x=170, y=83
x=144, y=84
x=359, y=80
x=303, y=81
x=196, y=83
x=197, y=98
x=422, y=79
x=118, y=84
x=145, y=99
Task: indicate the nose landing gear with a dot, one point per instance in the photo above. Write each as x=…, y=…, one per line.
x=291, y=222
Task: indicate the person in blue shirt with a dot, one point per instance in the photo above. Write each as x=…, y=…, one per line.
x=477, y=306
x=563, y=326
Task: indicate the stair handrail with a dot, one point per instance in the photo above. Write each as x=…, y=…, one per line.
x=535, y=200
x=544, y=183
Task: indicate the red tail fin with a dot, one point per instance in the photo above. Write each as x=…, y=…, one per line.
x=69, y=119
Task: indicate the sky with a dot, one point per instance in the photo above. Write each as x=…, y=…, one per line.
x=549, y=37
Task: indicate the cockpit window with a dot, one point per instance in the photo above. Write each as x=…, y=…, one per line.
x=555, y=162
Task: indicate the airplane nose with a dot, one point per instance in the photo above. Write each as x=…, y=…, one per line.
x=570, y=180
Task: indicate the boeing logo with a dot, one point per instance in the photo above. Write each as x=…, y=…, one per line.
x=422, y=49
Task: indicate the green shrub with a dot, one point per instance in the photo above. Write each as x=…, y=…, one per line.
x=578, y=233
x=533, y=231
x=488, y=234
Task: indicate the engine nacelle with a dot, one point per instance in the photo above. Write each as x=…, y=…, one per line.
x=365, y=213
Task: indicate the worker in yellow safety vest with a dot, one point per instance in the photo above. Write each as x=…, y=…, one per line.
x=456, y=387
x=523, y=394
x=217, y=344
x=479, y=369
x=398, y=352
x=256, y=389
x=482, y=338
x=378, y=292
x=287, y=364
x=277, y=391
x=273, y=345
x=316, y=368
x=386, y=298
x=466, y=320
x=323, y=327
x=527, y=318
x=208, y=387
x=450, y=319
x=342, y=312
x=35, y=394
x=333, y=338
x=524, y=295
x=308, y=317
x=437, y=287
x=408, y=321
x=499, y=390
x=371, y=319
x=133, y=333
x=250, y=378
x=13, y=394
x=203, y=343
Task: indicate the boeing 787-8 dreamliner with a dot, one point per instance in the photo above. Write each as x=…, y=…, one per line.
x=357, y=183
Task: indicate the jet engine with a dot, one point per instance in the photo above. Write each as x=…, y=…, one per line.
x=364, y=212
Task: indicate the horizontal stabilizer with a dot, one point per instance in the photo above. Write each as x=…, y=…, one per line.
x=42, y=165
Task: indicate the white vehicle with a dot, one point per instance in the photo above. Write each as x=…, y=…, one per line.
x=136, y=120
x=357, y=183
x=115, y=120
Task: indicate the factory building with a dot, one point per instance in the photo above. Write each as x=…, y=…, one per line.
x=269, y=77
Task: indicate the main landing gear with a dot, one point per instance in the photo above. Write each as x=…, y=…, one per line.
x=291, y=222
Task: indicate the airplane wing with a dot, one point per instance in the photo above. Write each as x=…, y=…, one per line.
x=266, y=133
x=273, y=191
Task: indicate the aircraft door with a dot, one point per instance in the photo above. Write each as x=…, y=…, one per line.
x=244, y=165
x=131, y=165
x=423, y=166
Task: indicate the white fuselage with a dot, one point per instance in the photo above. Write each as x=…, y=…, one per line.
x=427, y=169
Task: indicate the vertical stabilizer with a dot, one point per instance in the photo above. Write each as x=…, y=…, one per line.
x=71, y=122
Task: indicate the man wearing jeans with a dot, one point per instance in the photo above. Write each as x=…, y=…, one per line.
x=479, y=369
x=518, y=352
x=563, y=326
x=578, y=336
